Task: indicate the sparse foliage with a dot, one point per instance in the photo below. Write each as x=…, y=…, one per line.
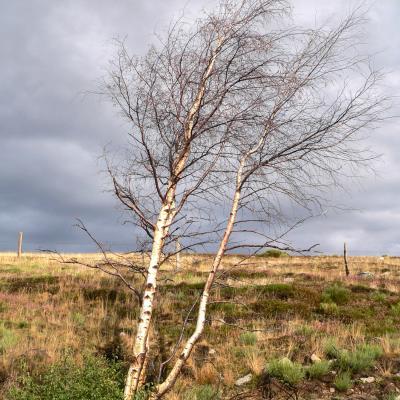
x=230, y=118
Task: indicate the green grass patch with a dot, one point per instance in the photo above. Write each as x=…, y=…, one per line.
x=78, y=319
x=8, y=338
x=278, y=290
x=395, y=309
x=378, y=297
x=328, y=309
x=335, y=294
x=248, y=338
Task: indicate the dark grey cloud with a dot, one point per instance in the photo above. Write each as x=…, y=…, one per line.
x=51, y=133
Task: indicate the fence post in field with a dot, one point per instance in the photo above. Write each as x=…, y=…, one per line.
x=346, y=267
x=20, y=236
x=178, y=255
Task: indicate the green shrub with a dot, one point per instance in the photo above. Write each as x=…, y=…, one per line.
x=95, y=379
x=343, y=381
x=336, y=294
x=362, y=358
x=359, y=360
x=248, y=338
x=286, y=370
x=203, y=392
x=318, y=369
x=274, y=253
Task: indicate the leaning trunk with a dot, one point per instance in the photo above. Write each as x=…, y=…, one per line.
x=169, y=382
x=141, y=341
x=164, y=221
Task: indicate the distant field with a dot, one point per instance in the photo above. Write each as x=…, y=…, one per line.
x=263, y=312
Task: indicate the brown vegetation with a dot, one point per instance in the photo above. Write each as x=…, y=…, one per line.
x=267, y=309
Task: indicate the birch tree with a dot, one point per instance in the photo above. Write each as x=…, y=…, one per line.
x=239, y=107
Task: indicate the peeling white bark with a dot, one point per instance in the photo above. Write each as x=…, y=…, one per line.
x=140, y=348
x=136, y=372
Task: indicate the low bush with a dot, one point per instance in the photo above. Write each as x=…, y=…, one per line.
x=95, y=379
x=274, y=253
x=286, y=370
x=318, y=369
x=362, y=358
x=343, y=381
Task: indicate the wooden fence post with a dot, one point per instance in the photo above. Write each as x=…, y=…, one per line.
x=20, y=237
x=346, y=267
x=178, y=255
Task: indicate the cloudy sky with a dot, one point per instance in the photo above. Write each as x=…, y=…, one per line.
x=51, y=132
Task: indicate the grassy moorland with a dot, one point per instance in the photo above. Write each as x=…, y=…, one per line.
x=296, y=324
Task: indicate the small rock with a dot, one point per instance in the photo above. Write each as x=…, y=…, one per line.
x=332, y=390
x=315, y=358
x=212, y=352
x=365, y=274
x=243, y=380
x=370, y=379
x=288, y=279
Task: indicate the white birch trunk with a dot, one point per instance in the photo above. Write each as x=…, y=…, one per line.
x=165, y=218
x=140, y=348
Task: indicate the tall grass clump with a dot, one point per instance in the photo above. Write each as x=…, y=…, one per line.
x=248, y=338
